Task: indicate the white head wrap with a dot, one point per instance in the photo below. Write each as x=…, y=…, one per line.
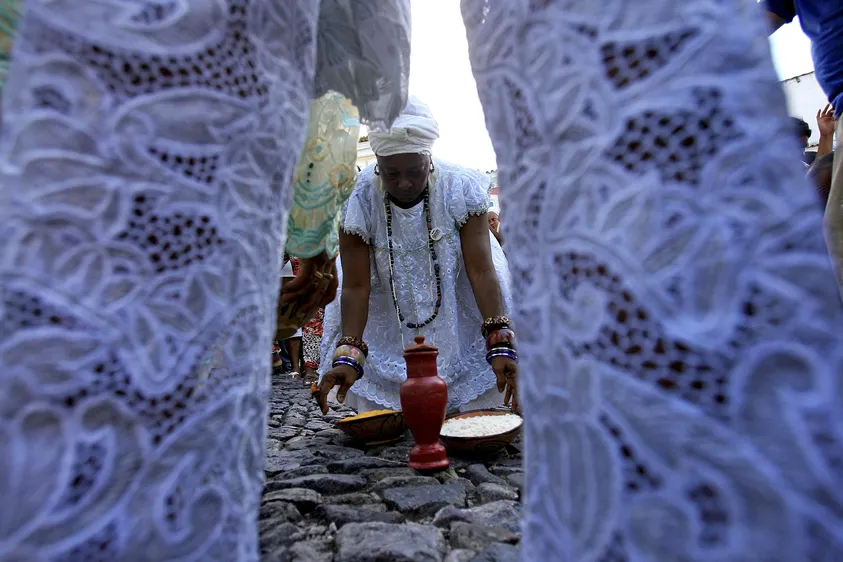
x=413, y=132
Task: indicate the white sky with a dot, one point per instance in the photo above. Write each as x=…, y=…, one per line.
x=440, y=75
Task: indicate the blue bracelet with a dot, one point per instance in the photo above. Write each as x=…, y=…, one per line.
x=502, y=351
x=351, y=363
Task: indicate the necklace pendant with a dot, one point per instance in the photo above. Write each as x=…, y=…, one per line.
x=435, y=234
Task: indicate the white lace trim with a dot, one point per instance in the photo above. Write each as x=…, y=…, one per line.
x=475, y=212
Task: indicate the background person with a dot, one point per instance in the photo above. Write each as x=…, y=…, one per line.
x=417, y=258
x=822, y=22
x=311, y=341
x=494, y=226
x=802, y=132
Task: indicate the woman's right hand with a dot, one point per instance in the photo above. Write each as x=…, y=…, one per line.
x=343, y=376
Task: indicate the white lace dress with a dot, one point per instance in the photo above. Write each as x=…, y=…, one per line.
x=680, y=329
x=457, y=194
x=146, y=156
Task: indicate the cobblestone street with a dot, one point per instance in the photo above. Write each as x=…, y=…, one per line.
x=327, y=501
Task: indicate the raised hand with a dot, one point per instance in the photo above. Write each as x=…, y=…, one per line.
x=825, y=120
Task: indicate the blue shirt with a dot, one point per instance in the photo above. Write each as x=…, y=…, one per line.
x=822, y=22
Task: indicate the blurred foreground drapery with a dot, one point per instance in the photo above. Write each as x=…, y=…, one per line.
x=682, y=355
x=146, y=155
x=679, y=321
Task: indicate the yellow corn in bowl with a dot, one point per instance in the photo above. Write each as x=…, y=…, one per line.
x=375, y=427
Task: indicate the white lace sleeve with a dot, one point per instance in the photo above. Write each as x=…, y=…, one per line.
x=144, y=169
x=467, y=191
x=357, y=214
x=679, y=324
x=364, y=53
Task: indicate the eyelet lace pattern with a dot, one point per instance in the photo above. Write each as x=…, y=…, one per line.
x=679, y=325
x=145, y=165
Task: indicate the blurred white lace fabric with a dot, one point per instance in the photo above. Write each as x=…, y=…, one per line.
x=682, y=356
x=679, y=324
x=146, y=157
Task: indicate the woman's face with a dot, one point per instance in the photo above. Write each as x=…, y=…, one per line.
x=404, y=176
x=494, y=222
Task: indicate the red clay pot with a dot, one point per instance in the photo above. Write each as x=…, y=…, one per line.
x=424, y=399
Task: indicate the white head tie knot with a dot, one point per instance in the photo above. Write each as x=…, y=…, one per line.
x=413, y=132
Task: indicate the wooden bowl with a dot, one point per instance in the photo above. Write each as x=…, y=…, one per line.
x=375, y=430
x=486, y=446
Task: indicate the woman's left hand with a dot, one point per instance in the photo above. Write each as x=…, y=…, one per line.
x=506, y=373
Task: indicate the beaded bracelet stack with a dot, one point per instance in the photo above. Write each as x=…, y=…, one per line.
x=351, y=352
x=354, y=342
x=500, y=339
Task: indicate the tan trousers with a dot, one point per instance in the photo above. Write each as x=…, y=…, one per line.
x=833, y=221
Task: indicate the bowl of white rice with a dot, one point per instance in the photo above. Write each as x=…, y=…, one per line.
x=479, y=433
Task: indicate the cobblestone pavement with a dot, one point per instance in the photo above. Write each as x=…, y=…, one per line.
x=326, y=500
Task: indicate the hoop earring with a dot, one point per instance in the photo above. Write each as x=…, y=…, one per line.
x=377, y=172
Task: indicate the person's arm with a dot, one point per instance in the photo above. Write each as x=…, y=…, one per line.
x=354, y=300
x=477, y=253
x=826, y=146
x=354, y=312
x=498, y=236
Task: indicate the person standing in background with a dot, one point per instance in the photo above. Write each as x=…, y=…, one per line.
x=311, y=342
x=494, y=226
x=802, y=131
x=293, y=343
x=822, y=22
x=324, y=179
